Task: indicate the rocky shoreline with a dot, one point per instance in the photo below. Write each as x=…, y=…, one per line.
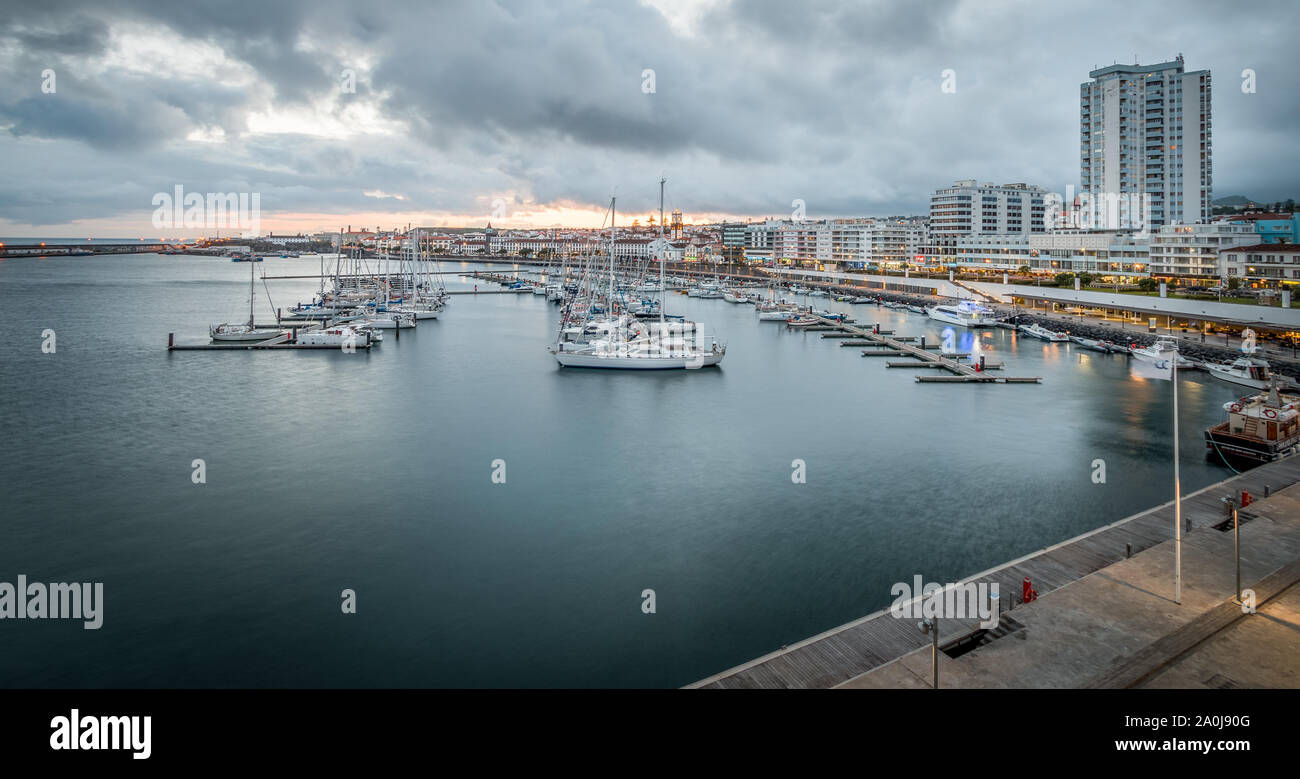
x=1198, y=352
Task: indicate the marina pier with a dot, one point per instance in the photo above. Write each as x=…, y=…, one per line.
x=1104, y=615
x=924, y=357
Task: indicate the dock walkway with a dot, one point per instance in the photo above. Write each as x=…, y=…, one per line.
x=879, y=650
x=885, y=345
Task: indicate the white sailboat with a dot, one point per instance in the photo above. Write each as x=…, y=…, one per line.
x=243, y=332
x=622, y=342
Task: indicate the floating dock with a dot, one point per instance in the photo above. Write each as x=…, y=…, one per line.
x=280, y=342
x=902, y=346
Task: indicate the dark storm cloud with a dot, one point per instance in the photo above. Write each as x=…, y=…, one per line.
x=756, y=102
x=79, y=36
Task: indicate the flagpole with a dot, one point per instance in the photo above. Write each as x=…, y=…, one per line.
x=1178, y=501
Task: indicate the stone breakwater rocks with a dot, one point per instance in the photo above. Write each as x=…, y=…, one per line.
x=1198, y=352
x=1206, y=352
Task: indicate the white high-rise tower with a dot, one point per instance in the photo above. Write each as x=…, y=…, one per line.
x=1145, y=130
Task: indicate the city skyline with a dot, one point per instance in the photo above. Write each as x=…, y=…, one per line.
x=746, y=107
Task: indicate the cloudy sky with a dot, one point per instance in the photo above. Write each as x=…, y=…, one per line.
x=539, y=111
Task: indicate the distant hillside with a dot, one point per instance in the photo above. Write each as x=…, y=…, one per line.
x=1232, y=200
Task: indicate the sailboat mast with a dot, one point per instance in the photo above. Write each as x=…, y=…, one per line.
x=661, y=206
x=251, y=278
x=662, y=252
x=612, y=202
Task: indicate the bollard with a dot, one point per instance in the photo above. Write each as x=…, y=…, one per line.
x=1029, y=594
x=1128, y=551
x=922, y=342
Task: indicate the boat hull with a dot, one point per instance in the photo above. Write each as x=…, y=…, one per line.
x=1245, y=381
x=621, y=362
x=955, y=319
x=260, y=335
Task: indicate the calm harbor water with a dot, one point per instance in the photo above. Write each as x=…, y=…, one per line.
x=373, y=472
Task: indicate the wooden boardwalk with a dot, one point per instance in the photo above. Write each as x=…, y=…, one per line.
x=850, y=650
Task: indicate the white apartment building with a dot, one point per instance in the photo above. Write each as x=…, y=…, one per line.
x=1145, y=130
x=803, y=243
x=836, y=242
x=1098, y=252
x=1261, y=263
x=991, y=252
x=1192, y=251
x=286, y=240
x=511, y=244
x=971, y=208
x=1101, y=253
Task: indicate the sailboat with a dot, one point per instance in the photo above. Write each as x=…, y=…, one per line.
x=243, y=332
x=620, y=341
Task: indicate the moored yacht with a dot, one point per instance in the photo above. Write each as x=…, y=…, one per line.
x=338, y=335
x=967, y=313
x=1247, y=370
x=390, y=320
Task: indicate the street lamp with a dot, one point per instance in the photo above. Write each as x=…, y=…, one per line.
x=1236, y=544
x=930, y=627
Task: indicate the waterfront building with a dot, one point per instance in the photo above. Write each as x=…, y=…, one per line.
x=286, y=240
x=1271, y=228
x=1113, y=254
x=633, y=248
x=834, y=243
x=970, y=208
x=804, y=243
x=1192, y=251
x=1146, y=130
x=891, y=243
x=733, y=234
x=991, y=252
x=1268, y=264
x=760, y=240
x=538, y=245
x=1109, y=254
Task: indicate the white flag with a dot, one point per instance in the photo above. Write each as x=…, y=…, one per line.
x=1160, y=368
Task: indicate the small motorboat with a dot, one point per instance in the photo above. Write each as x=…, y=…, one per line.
x=1159, y=351
x=1038, y=331
x=1105, y=347
x=1247, y=370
